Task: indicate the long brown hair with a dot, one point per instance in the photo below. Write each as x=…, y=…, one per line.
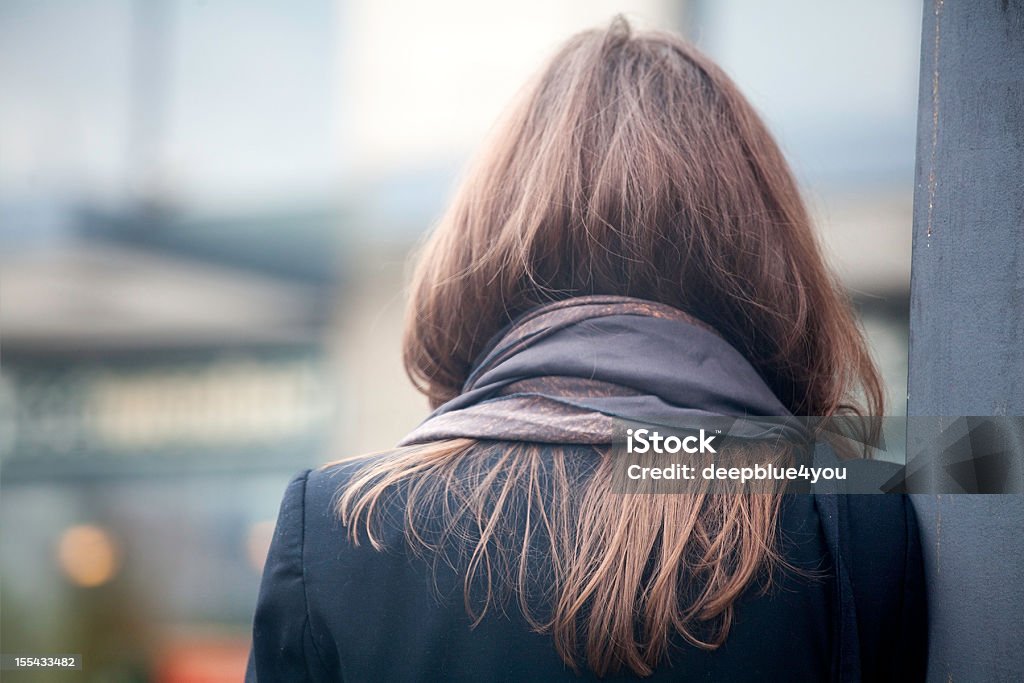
x=632, y=166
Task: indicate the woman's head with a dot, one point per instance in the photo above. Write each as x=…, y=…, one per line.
x=632, y=165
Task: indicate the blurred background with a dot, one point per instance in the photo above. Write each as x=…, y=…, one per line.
x=206, y=208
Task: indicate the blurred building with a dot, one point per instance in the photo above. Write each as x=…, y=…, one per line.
x=170, y=254
x=206, y=211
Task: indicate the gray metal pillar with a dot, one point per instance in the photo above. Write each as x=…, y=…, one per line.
x=967, y=319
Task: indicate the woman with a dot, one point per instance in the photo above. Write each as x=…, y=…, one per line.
x=630, y=248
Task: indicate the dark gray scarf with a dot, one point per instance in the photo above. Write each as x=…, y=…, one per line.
x=576, y=371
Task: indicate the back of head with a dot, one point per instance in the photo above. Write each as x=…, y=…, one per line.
x=630, y=166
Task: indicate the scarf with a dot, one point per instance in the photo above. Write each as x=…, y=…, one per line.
x=578, y=371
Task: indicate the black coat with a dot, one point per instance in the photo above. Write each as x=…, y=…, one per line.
x=332, y=611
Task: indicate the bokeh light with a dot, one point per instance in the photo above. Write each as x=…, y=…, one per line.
x=88, y=555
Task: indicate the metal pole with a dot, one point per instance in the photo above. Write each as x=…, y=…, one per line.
x=967, y=320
